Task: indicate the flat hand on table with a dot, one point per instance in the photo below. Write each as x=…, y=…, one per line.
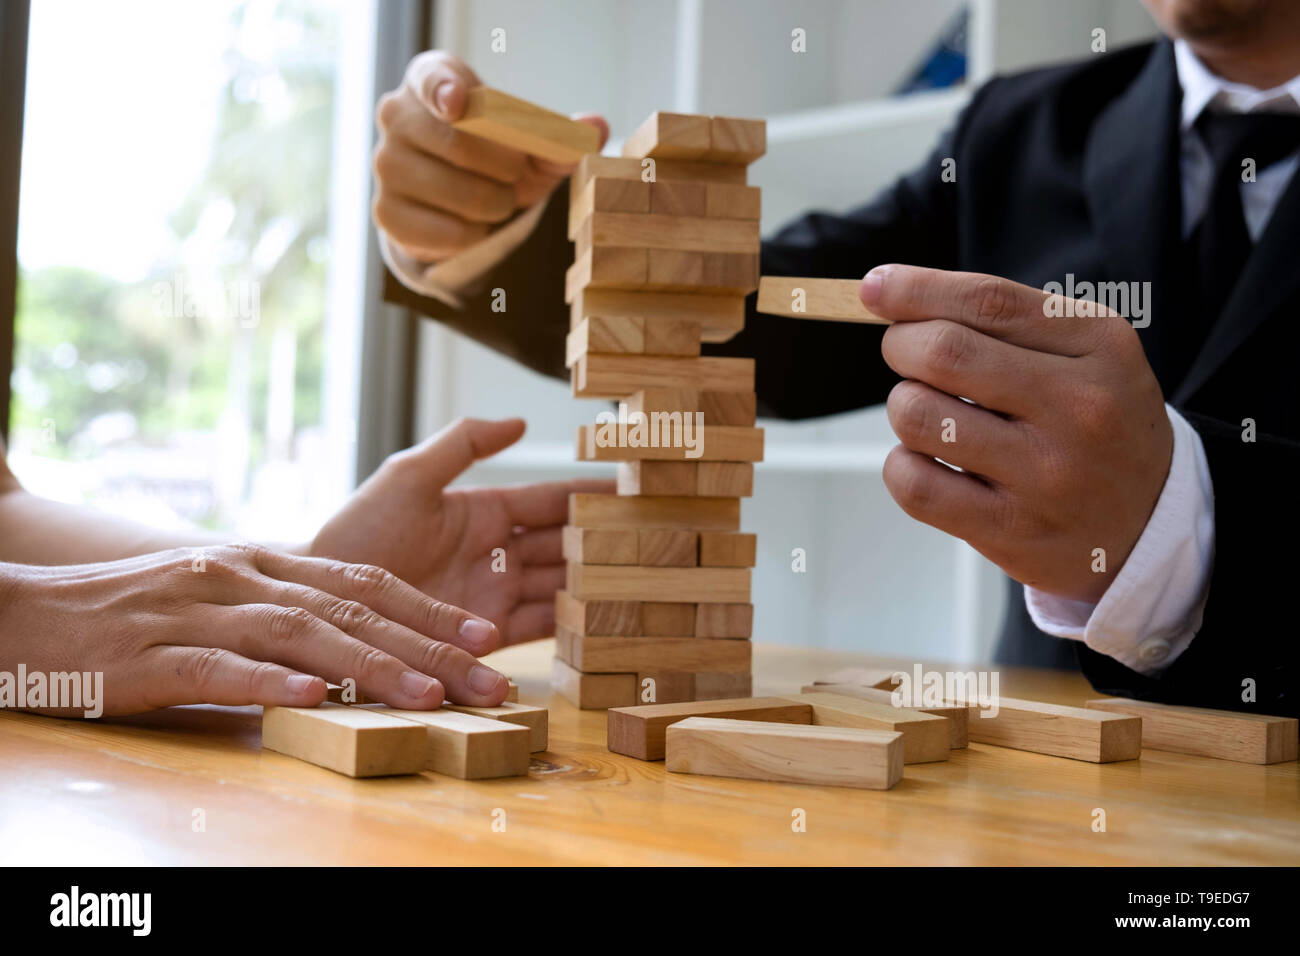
x=1066, y=447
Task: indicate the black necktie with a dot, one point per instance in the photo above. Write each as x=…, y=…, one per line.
x=1220, y=243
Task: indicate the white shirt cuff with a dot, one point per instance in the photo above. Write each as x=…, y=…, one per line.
x=1152, y=610
x=451, y=280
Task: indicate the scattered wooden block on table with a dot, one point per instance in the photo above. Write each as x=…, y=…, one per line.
x=599, y=545
x=725, y=549
x=785, y=753
x=639, y=731
x=958, y=716
x=726, y=479
x=618, y=376
x=594, y=654
x=800, y=298
x=535, y=719
x=720, y=316
x=348, y=740
x=607, y=194
x=609, y=582
x=713, y=443
x=672, y=478
x=468, y=747
x=598, y=617
x=727, y=201
x=521, y=125
x=724, y=620
x=593, y=691
x=1221, y=734
x=667, y=619
x=591, y=510
x=667, y=548
x=925, y=737
x=1059, y=731
x=879, y=677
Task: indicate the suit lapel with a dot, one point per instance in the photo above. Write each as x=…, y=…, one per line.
x=1270, y=277
x=1130, y=177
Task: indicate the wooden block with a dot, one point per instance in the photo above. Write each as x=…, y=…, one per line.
x=639, y=731
x=668, y=548
x=593, y=654
x=608, y=582
x=1221, y=734
x=468, y=747
x=672, y=336
x=656, y=232
x=607, y=267
x=599, y=545
x=785, y=753
x=348, y=740
x=713, y=685
x=925, y=737
x=879, y=677
x=673, y=436
x=728, y=408
x=735, y=140
x=798, y=298
x=957, y=716
x=724, y=620
x=1073, y=732
x=588, y=510
x=535, y=719
x=670, y=135
x=596, y=333
x=593, y=691
x=607, y=194
x=524, y=126
x=618, y=376
x=648, y=169
x=598, y=617
x=667, y=619
x=723, y=271
x=671, y=270
x=671, y=198
x=609, y=167
x=512, y=692
x=726, y=201
x=334, y=693
x=657, y=477
x=720, y=316
x=696, y=171
x=721, y=549
x=725, y=479
x=665, y=687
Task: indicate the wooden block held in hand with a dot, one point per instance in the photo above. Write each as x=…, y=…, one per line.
x=657, y=478
x=599, y=545
x=593, y=654
x=725, y=479
x=785, y=753
x=468, y=747
x=348, y=740
x=590, y=510
x=639, y=731
x=524, y=126
x=535, y=719
x=1073, y=732
x=800, y=298
x=668, y=548
x=608, y=582
x=957, y=716
x=925, y=737
x=593, y=691
x=1221, y=734
x=725, y=549
x=724, y=620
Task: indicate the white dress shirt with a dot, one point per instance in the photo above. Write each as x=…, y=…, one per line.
x=1152, y=610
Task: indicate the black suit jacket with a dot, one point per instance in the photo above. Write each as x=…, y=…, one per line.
x=1071, y=169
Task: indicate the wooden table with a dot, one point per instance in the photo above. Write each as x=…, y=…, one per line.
x=130, y=791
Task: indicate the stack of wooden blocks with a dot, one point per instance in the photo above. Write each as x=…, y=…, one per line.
x=657, y=605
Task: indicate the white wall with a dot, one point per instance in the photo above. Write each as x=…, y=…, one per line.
x=876, y=580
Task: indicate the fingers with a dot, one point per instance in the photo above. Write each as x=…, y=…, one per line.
x=541, y=547
x=531, y=621
x=211, y=675
x=443, y=457
x=961, y=361
x=385, y=594
x=423, y=232
x=959, y=504
x=936, y=424
x=541, y=583
x=541, y=176
x=404, y=171
x=546, y=503
x=998, y=307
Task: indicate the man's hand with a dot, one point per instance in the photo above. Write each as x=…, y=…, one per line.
x=441, y=190
x=239, y=624
x=1066, y=448
x=496, y=551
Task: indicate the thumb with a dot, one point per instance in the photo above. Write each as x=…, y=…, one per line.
x=441, y=82
x=451, y=451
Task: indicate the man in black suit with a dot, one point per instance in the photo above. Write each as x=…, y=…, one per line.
x=1135, y=478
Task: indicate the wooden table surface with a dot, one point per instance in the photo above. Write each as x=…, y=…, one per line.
x=128, y=791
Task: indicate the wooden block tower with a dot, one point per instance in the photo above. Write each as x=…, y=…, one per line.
x=657, y=604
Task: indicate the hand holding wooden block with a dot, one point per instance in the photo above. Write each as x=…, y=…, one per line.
x=524, y=126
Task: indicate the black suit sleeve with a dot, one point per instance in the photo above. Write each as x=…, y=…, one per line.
x=1243, y=636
